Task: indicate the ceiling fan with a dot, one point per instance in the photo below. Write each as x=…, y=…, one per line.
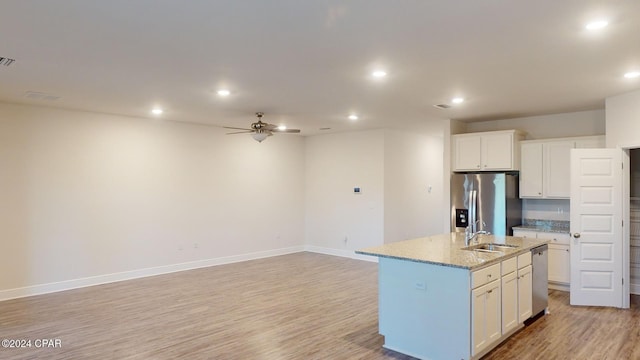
x=260, y=130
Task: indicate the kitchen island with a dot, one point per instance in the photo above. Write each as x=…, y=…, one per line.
x=440, y=298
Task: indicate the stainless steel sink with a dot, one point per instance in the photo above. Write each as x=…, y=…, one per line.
x=492, y=247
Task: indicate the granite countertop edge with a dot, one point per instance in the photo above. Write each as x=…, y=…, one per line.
x=457, y=255
x=541, y=229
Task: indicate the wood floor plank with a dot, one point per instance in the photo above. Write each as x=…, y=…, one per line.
x=298, y=306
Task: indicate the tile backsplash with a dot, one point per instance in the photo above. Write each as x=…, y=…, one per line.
x=546, y=209
x=549, y=225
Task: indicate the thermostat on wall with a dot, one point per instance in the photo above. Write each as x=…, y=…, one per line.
x=356, y=190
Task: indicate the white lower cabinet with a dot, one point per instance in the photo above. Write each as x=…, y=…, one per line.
x=525, y=293
x=486, y=313
x=501, y=299
x=558, y=255
x=525, y=234
x=559, y=263
x=509, y=302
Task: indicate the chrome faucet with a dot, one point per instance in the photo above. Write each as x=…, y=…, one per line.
x=470, y=232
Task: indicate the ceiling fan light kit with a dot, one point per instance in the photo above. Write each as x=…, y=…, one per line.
x=260, y=130
x=259, y=136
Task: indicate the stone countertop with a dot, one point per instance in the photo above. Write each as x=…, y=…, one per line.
x=553, y=226
x=446, y=250
x=541, y=229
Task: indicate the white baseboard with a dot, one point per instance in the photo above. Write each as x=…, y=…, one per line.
x=339, y=252
x=559, y=286
x=135, y=274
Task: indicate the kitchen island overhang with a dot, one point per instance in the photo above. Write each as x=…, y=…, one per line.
x=426, y=293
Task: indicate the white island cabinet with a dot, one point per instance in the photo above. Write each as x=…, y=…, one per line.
x=438, y=301
x=486, y=308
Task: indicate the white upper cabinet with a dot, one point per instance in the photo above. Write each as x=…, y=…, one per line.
x=545, y=165
x=556, y=167
x=531, y=170
x=487, y=151
x=467, y=152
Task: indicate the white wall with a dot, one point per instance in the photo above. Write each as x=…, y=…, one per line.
x=87, y=194
x=90, y=198
x=582, y=123
x=393, y=168
x=413, y=185
x=546, y=209
x=623, y=120
x=335, y=164
x=450, y=127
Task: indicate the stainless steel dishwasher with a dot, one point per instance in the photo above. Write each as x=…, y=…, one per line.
x=539, y=279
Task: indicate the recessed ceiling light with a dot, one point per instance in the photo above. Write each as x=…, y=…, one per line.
x=156, y=111
x=457, y=100
x=379, y=74
x=282, y=127
x=597, y=25
x=353, y=117
x=632, y=74
x=224, y=92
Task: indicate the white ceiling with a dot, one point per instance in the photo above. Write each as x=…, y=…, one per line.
x=307, y=63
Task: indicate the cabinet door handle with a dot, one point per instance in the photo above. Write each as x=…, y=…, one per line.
x=567, y=250
x=489, y=292
x=576, y=235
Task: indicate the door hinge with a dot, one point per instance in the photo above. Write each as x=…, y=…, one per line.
x=622, y=281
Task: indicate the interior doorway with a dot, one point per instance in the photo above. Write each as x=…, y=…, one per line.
x=634, y=220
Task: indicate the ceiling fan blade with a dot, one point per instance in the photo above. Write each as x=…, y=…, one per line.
x=235, y=128
x=240, y=132
x=291, y=131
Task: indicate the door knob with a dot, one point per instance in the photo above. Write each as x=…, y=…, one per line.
x=576, y=235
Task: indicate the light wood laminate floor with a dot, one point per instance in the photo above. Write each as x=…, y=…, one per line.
x=298, y=306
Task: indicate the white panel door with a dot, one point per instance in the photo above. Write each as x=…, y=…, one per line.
x=596, y=227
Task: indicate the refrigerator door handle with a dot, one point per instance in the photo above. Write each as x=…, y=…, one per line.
x=473, y=210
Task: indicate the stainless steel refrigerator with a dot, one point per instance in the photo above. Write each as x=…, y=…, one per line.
x=485, y=198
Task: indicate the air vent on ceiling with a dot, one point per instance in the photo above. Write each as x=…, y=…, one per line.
x=36, y=95
x=442, y=106
x=6, y=61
